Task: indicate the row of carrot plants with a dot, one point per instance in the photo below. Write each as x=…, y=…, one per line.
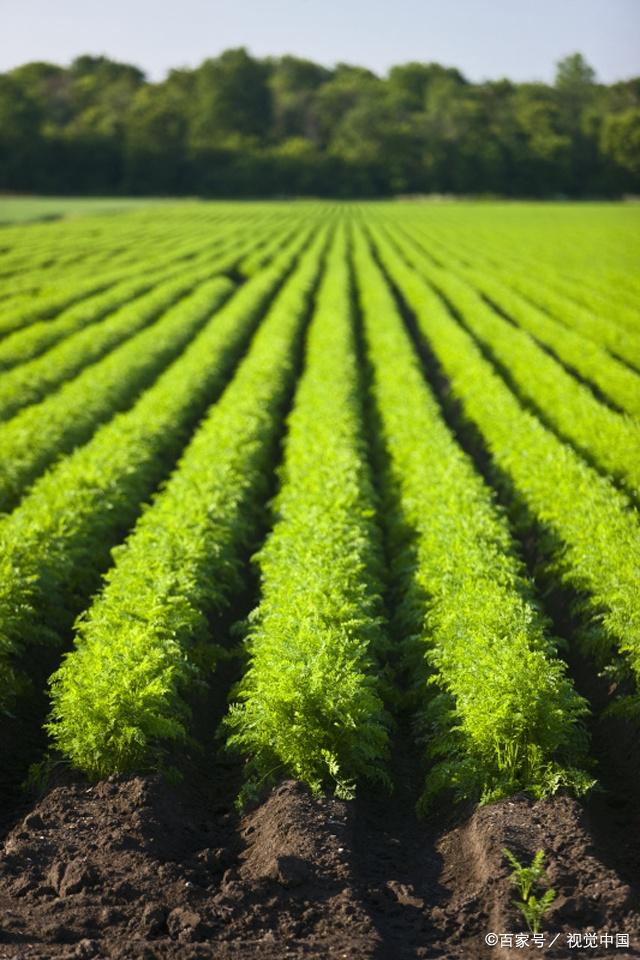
x=39, y=433
x=123, y=237
x=78, y=253
x=310, y=702
x=601, y=296
x=29, y=342
x=54, y=545
x=120, y=699
x=620, y=341
x=613, y=379
x=55, y=246
x=601, y=293
x=72, y=296
x=33, y=380
x=32, y=340
x=579, y=263
x=494, y=704
x=567, y=274
x=604, y=299
x=40, y=294
x=610, y=440
x=591, y=534
x=31, y=250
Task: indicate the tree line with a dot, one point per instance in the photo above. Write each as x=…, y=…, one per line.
x=279, y=126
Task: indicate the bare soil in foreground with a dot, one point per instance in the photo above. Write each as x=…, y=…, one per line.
x=138, y=868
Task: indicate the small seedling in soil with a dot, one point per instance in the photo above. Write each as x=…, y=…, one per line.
x=533, y=903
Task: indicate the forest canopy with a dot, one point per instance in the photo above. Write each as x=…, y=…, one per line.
x=279, y=126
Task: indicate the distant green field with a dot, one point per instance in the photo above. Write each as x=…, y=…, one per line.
x=375, y=400
x=26, y=209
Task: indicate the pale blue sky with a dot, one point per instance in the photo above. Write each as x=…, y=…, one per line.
x=521, y=39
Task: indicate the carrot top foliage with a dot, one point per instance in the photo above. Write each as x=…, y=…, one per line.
x=495, y=706
x=310, y=701
x=120, y=700
x=390, y=407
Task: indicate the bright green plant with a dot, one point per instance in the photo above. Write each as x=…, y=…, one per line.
x=505, y=716
x=148, y=246
x=533, y=904
x=618, y=340
x=42, y=431
x=120, y=698
x=57, y=541
x=588, y=533
x=29, y=382
x=611, y=440
x=310, y=701
x=614, y=379
x=119, y=362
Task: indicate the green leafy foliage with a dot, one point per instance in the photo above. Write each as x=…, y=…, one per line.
x=154, y=246
x=239, y=125
x=30, y=381
x=489, y=267
x=590, y=535
x=619, y=341
x=55, y=544
x=24, y=345
x=613, y=379
x=310, y=703
x=81, y=267
x=176, y=397
x=505, y=717
x=533, y=904
x=612, y=441
x=119, y=699
x=40, y=432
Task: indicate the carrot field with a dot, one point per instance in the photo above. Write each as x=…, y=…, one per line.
x=319, y=514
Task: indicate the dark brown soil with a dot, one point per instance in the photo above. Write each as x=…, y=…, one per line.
x=136, y=868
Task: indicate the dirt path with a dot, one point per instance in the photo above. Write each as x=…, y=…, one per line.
x=135, y=868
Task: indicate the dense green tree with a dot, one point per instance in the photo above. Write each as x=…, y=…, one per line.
x=410, y=83
x=20, y=137
x=294, y=83
x=577, y=94
x=575, y=81
x=233, y=102
x=621, y=140
x=155, y=139
x=238, y=125
x=52, y=88
x=348, y=87
x=103, y=92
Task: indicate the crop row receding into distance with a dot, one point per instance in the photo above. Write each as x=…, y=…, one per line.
x=421, y=405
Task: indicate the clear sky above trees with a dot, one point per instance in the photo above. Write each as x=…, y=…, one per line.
x=520, y=39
